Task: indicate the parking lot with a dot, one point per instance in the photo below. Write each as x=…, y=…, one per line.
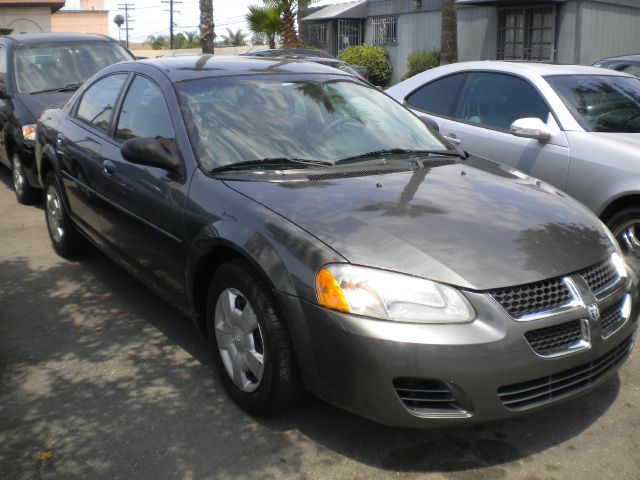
x=99, y=378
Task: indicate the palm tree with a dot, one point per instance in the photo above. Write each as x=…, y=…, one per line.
x=234, y=39
x=207, y=34
x=157, y=42
x=303, y=11
x=266, y=21
x=448, y=41
x=287, y=9
x=119, y=20
x=193, y=39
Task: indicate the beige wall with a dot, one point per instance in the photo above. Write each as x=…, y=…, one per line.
x=220, y=51
x=92, y=5
x=81, y=22
x=26, y=19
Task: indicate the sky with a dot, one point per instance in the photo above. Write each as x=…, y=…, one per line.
x=150, y=19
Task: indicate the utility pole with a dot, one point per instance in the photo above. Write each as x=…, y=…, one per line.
x=126, y=7
x=171, y=3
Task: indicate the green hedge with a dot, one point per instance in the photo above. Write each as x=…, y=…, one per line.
x=418, y=62
x=375, y=59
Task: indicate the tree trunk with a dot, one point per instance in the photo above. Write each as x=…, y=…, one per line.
x=289, y=37
x=206, y=26
x=303, y=30
x=449, y=39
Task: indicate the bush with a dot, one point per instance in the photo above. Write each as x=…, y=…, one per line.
x=375, y=59
x=420, y=61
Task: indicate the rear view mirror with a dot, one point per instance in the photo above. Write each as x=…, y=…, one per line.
x=531, y=128
x=151, y=152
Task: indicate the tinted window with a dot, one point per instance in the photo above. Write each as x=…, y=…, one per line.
x=601, y=103
x=439, y=96
x=496, y=100
x=54, y=65
x=144, y=113
x=96, y=106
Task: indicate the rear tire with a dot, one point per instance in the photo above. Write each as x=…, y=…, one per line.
x=25, y=193
x=252, y=347
x=65, y=239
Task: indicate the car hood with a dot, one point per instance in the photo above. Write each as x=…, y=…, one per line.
x=37, y=103
x=476, y=224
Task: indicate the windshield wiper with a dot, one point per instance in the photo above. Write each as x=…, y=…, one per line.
x=403, y=151
x=69, y=87
x=271, y=162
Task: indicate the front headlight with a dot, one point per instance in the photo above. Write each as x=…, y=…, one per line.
x=29, y=132
x=390, y=296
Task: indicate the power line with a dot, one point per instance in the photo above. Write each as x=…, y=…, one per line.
x=126, y=7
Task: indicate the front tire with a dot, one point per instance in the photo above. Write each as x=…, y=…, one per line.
x=25, y=193
x=625, y=226
x=65, y=239
x=251, y=344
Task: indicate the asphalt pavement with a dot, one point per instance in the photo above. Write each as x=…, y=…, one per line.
x=100, y=378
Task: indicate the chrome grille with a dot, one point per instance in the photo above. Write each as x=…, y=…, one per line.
x=533, y=298
x=426, y=396
x=522, y=396
x=600, y=276
x=555, y=339
x=611, y=318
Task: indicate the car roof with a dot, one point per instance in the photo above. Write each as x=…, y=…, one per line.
x=528, y=68
x=633, y=58
x=35, y=38
x=203, y=66
x=276, y=52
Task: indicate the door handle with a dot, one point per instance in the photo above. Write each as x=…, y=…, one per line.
x=60, y=140
x=108, y=168
x=452, y=138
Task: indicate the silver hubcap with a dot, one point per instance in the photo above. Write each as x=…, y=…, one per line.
x=18, y=175
x=54, y=214
x=239, y=339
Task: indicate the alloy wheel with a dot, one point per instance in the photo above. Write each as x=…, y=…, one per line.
x=19, y=179
x=54, y=214
x=239, y=339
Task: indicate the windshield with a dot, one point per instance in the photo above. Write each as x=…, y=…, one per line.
x=321, y=118
x=53, y=66
x=601, y=103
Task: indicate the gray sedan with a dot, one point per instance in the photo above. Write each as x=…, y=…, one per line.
x=575, y=127
x=325, y=239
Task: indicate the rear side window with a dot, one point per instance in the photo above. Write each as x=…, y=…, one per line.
x=439, y=96
x=96, y=105
x=144, y=113
x=495, y=100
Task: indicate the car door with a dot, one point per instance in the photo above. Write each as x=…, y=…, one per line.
x=487, y=105
x=144, y=204
x=78, y=146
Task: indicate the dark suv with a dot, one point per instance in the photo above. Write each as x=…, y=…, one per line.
x=36, y=72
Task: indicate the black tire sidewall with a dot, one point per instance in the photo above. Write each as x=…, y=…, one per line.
x=236, y=275
x=623, y=216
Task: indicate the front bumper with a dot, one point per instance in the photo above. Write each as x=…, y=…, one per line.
x=353, y=363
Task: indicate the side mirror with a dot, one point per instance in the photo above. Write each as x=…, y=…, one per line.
x=531, y=128
x=430, y=123
x=151, y=152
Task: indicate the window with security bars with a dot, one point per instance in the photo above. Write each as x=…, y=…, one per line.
x=318, y=34
x=348, y=33
x=526, y=33
x=385, y=30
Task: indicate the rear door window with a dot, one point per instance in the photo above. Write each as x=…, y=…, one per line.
x=439, y=96
x=97, y=103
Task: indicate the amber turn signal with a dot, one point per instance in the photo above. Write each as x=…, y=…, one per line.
x=329, y=293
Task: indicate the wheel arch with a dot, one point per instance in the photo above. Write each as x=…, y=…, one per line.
x=624, y=201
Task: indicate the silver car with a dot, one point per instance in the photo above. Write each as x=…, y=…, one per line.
x=575, y=127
